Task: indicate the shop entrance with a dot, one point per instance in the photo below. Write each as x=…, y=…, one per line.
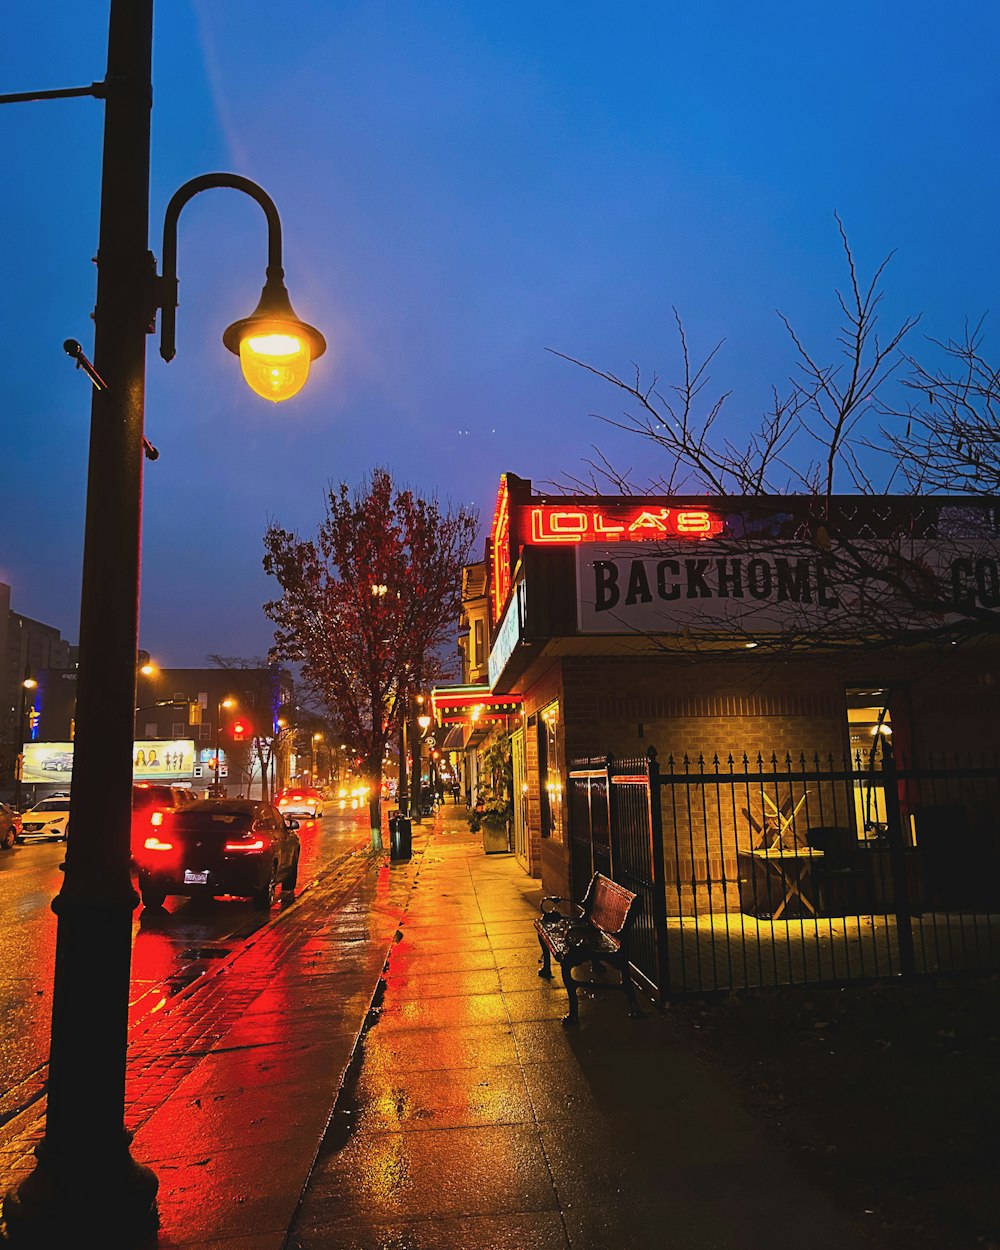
x=869, y=724
x=520, y=797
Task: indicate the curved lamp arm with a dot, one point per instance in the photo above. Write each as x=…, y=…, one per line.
x=275, y=346
x=168, y=282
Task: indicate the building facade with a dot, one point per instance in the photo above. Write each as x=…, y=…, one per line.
x=745, y=632
x=27, y=647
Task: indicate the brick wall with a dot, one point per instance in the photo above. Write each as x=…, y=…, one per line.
x=622, y=705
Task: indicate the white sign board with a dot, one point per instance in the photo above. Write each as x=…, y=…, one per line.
x=749, y=587
x=508, y=635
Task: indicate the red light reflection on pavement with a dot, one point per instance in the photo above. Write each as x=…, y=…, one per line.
x=154, y=959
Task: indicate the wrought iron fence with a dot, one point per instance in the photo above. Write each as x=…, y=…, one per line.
x=789, y=870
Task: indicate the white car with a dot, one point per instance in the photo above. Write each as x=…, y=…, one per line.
x=301, y=801
x=47, y=819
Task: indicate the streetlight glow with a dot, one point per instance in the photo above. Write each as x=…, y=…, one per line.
x=274, y=365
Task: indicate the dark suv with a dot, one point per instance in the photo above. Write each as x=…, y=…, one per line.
x=150, y=804
x=220, y=846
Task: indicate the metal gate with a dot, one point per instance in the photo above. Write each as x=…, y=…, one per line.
x=611, y=825
x=777, y=872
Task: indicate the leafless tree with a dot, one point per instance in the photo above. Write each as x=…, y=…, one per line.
x=806, y=439
x=254, y=681
x=816, y=434
x=947, y=437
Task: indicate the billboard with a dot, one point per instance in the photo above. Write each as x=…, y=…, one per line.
x=51, y=763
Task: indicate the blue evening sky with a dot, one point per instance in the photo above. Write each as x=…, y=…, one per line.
x=463, y=185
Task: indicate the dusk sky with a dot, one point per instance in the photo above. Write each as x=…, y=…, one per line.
x=462, y=186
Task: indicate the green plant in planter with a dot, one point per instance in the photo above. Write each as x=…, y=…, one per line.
x=494, y=801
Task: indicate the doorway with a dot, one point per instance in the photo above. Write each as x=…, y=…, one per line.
x=876, y=718
x=520, y=797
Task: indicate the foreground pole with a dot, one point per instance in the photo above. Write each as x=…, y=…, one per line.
x=86, y=1187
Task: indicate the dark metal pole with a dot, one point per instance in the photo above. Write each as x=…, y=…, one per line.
x=414, y=736
x=402, y=790
x=218, y=746
x=85, y=1182
x=19, y=741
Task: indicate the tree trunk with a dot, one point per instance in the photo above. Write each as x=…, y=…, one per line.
x=375, y=796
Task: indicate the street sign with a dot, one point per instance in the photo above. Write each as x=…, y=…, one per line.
x=223, y=770
x=196, y=771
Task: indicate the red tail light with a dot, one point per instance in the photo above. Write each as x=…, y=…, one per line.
x=154, y=844
x=256, y=845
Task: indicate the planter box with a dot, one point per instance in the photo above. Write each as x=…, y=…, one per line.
x=494, y=836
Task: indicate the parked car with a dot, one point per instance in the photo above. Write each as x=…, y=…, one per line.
x=48, y=819
x=10, y=826
x=150, y=803
x=220, y=846
x=301, y=801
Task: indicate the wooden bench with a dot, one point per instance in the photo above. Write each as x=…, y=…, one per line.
x=597, y=934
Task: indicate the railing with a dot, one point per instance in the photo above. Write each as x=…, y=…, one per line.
x=781, y=871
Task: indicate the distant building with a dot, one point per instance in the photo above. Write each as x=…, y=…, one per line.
x=182, y=709
x=26, y=648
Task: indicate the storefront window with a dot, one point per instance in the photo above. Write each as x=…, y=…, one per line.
x=876, y=717
x=549, y=774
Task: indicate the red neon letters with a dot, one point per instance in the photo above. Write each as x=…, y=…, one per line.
x=589, y=524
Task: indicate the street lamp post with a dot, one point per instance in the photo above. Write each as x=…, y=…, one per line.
x=227, y=702
x=313, y=756
x=85, y=1182
x=423, y=721
x=27, y=684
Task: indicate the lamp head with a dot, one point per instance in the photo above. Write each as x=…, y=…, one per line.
x=424, y=722
x=29, y=683
x=275, y=348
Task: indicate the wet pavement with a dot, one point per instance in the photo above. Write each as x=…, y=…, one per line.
x=472, y=1118
x=467, y=1115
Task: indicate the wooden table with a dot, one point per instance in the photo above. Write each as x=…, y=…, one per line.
x=776, y=884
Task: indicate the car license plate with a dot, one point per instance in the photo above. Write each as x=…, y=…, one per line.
x=195, y=878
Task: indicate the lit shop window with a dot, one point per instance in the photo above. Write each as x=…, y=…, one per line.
x=549, y=774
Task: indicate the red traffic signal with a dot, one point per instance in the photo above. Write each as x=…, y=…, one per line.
x=239, y=730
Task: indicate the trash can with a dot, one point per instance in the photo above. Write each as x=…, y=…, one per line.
x=400, y=837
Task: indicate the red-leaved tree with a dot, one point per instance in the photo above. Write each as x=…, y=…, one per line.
x=365, y=604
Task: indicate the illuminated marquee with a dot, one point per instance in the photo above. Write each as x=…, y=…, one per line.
x=520, y=521
x=500, y=550
x=591, y=524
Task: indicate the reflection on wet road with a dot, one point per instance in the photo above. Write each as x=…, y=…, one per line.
x=172, y=947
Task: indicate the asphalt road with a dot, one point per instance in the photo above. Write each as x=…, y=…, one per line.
x=171, y=947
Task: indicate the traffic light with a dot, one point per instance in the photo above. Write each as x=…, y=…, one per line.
x=239, y=730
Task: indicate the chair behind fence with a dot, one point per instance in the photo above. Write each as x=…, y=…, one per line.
x=768, y=870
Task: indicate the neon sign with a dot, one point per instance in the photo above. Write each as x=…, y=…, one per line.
x=500, y=550
x=521, y=520
x=588, y=523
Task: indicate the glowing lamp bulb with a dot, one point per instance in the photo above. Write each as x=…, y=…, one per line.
x=275, y=363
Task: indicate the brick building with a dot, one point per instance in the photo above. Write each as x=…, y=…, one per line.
x=735, y=628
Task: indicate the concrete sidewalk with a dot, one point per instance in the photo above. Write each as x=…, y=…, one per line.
x=467, y=1116
x=472, y=1119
